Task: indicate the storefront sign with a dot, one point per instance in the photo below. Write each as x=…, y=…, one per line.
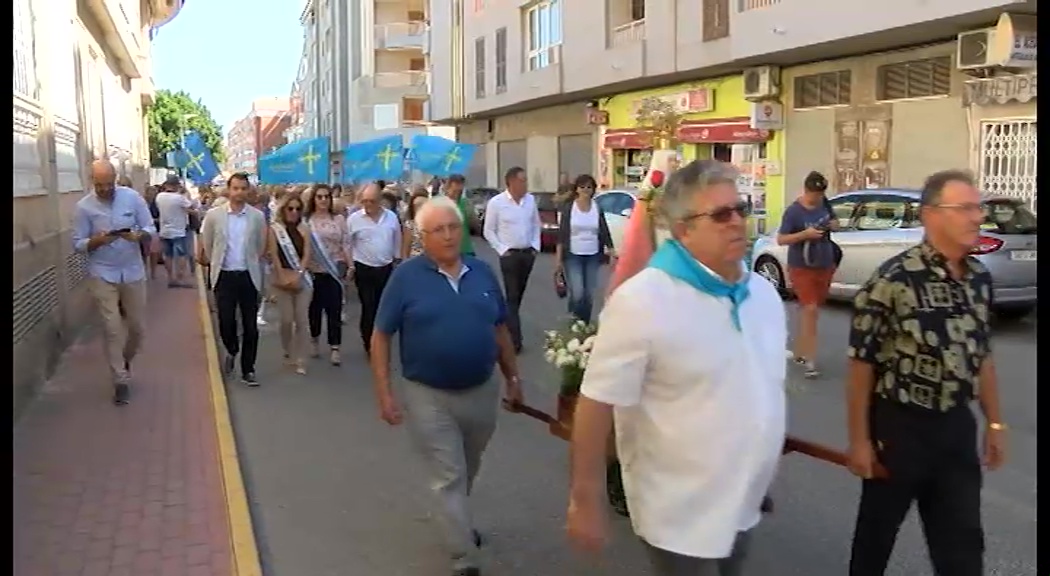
x=627, y=139
x=693, y=101
x=734, y=131
x=1000, y=90
x=597, y=117
x=767, y=115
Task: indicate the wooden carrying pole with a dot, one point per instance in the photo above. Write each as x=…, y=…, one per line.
x=791, y=443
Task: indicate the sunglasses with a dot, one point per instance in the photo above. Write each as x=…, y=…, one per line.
x=292, y=208
x=724, y=214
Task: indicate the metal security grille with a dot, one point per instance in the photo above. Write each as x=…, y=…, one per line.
x=33, y=302
x=1008, y=159
x=25, y=61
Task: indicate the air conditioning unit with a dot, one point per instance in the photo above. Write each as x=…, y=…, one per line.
x=761, y=82
x=975, y=49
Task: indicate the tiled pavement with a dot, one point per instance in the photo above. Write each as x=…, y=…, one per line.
x=132, y=490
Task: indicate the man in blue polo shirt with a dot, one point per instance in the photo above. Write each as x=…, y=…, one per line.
x=451, y=317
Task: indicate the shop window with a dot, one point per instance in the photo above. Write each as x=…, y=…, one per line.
x=915, y=79
x=827, y=89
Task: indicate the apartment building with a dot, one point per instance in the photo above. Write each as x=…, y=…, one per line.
x=82, y=84
x=261, y=131
x=872, y=96
x=369, y=60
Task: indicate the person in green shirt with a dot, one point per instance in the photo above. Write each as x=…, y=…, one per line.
x=454, y=185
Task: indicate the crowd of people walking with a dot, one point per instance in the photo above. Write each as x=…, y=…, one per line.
x=699, y=407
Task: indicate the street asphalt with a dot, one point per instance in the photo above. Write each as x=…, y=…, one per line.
x=336, y=492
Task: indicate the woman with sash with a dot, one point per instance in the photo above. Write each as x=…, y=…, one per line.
x=290, y=253
x=327, y=228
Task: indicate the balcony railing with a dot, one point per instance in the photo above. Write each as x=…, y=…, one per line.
x=746, y=5
x=403, y=79
x=401, y=35
x=627, y=33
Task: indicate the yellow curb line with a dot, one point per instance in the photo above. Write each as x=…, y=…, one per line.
x=245, y=553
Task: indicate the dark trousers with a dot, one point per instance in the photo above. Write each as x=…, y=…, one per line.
x=235, y=292
x=327, y=302
x=932, y=460
x=370, y=282
x=581, y=277
x=516, y=265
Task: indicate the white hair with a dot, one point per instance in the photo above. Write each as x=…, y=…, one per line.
x=690, y=180
x=437, y=203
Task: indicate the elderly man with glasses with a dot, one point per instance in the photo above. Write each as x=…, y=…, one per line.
x=451, y=317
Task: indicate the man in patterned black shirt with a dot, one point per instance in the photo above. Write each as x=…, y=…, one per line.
x=919, y=347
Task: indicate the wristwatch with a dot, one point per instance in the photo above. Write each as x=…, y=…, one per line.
x=997, y=426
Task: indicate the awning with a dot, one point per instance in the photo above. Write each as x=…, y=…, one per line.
x=721, y=131
x=627, y=139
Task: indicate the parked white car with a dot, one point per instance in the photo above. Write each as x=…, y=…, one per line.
x=877, y=224
x=617, y=205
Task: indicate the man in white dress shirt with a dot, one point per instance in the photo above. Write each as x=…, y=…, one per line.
x=690, y=358
x=512, y=228
x=373, y=243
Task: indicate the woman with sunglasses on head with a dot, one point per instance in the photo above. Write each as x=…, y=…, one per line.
x=291, y=254
x=327, y=228
x=583, y=237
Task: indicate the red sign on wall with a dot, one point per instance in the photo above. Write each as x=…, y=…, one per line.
x=626, y=139
x=723, y=131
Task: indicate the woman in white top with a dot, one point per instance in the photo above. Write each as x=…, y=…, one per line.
x=583, y=237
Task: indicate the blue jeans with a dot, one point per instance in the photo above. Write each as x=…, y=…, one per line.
x=581, y=276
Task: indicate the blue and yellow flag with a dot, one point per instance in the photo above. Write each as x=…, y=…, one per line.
x=196, y=160
x=377, y=159
x=440, y=156
x=301, y=162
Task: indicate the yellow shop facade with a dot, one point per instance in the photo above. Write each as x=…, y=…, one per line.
x=717, y=122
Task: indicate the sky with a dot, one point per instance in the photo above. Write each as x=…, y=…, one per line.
x=228, y=52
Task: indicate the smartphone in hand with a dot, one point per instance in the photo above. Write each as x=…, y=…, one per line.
x=119, y=231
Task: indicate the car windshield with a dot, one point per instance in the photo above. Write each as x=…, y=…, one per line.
x=1008, y=217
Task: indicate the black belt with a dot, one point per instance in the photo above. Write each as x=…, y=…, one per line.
x=520, y=250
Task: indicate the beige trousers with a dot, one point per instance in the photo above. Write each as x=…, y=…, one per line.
x=293, y=308
x=123, y=332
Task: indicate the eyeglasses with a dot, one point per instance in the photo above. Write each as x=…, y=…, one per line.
x=969, y=207
x=445, y=229
x=723, y=214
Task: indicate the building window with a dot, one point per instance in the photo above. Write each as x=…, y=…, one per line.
x=24, y=42
x=1009, y=160
x=479, y=68
x=827, y=89
x=543, y=30
x=915, y=79
x=637, y=10
x=412, y=110
x=501, y=60
x=716, y=20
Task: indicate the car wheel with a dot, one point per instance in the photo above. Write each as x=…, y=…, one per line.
x=769, y=269
x=1013, y=313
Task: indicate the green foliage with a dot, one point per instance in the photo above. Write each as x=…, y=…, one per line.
x=167, y=121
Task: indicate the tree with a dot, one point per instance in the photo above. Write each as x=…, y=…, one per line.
x=174, y=113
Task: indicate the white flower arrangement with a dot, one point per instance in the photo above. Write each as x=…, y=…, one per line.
x=569, y=350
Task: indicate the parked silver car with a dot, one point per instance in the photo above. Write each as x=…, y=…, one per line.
x=877, y=224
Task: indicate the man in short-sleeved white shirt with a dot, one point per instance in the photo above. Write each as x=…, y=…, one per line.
x=175, y=205
x=695, y=376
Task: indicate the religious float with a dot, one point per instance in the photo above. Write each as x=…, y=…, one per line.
x=569, y=349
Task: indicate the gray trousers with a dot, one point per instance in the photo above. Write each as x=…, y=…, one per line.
x=451, y=429
x=666, y=563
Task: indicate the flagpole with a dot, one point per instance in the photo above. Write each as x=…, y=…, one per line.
x=182, y=142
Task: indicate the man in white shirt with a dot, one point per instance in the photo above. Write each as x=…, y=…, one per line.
x=690, y=357
x=374, y=244
x=512, y=228
x=175, y=206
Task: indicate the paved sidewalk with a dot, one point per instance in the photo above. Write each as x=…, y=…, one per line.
x=129, y=490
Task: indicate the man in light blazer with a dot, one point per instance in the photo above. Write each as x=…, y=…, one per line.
x=233, y=241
